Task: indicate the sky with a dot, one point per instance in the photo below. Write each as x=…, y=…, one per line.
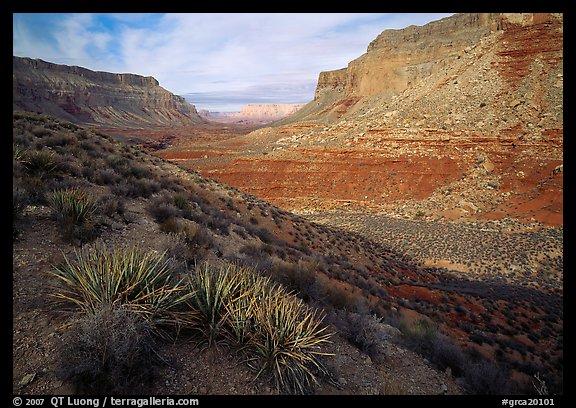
x=217, y=61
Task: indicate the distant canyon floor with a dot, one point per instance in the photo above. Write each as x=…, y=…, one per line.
x=490, y=208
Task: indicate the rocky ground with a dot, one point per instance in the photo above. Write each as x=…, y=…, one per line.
x=41, y=327
x=444, y=200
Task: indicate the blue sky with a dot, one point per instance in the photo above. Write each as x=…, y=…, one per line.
x=218, y=61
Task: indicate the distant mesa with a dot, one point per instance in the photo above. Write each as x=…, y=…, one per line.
x=81, y=96
x=254, y=113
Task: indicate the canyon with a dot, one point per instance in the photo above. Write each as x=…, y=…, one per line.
x=428, y=174
x=463, y=120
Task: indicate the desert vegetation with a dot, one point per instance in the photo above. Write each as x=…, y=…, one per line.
x=232, y=272
x=278, y=335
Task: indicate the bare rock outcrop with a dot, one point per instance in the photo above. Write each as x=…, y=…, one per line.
x=401, y=129
x=81, y=95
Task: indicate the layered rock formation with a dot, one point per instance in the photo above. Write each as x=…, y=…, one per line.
x=261, y=113
x=83, y=96
x=462, y=117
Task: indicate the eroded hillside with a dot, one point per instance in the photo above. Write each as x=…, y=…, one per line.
x=461, y=118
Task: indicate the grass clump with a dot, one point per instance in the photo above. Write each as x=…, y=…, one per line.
x=140, y=281
x=40, y=162
x=72, y=205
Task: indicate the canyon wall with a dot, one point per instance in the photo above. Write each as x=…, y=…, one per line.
x=462, y=117
x=83, y=96
x=398, y=59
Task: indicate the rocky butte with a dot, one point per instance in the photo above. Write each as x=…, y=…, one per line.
x=80, y=95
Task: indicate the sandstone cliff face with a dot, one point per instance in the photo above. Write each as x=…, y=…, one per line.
x=84, y=96
x=398, y=59
x=254, y=113
x=272, y=111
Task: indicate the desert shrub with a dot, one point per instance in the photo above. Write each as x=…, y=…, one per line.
x=20, y=199
x=423, y=337
x=298, y=277
x=265, y=235
x=140, y=281
x=139, y=171
x=444, y=353
x=105, y=176
x=41, y=131
x=109, y=350
x=182, y=201
x=134, y=188
x=162, y=212
x=365, y=331
x=110, y=205
x=484, y=377
x=192, y=239
x=419, y=334
x=60, y=139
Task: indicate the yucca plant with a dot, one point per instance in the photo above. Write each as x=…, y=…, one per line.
x=72, y=205
x=287, y=343
x=141, y=281
x=242, y=309
x=39, y=162
x=19, y=154
x=276, y=332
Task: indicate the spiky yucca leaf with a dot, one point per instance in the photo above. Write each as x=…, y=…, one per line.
x=142, y=281
x=213, y=288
